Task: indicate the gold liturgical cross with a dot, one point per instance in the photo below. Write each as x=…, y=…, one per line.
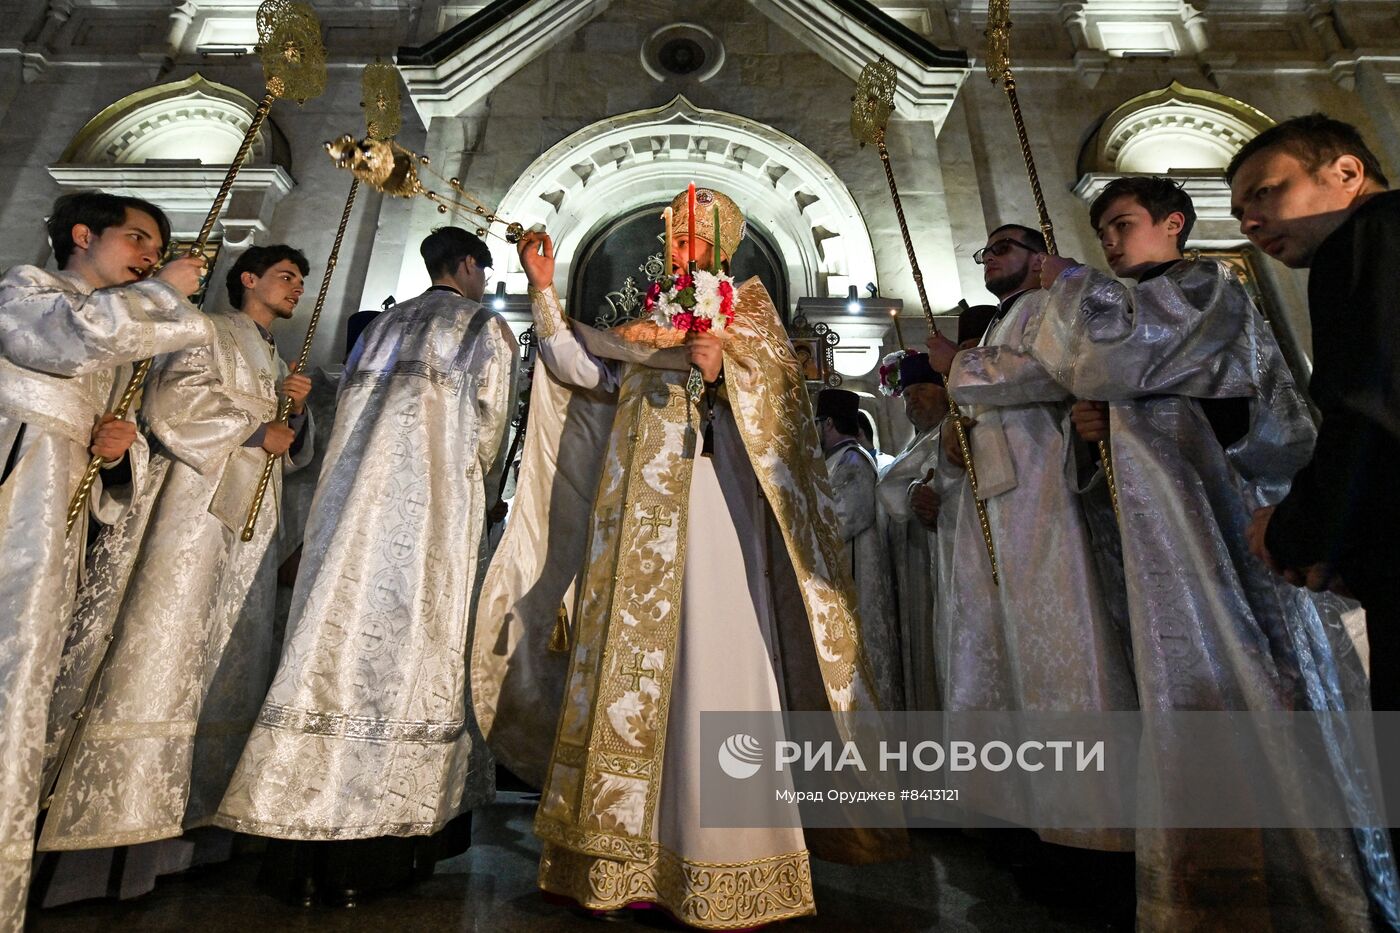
x=638, y=671
x=653, y=522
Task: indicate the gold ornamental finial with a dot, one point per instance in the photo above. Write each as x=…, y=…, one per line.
x=289, y=45
x=873, y=102
x=998, y=35
x=380, y=99
x=387, y=167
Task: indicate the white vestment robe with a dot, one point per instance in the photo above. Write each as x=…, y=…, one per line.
x=368, y=730
x=853, y=475
x=1043, y=640
x=171, y=650
x=913, y=562
x=1212, y=629
x=63, y=350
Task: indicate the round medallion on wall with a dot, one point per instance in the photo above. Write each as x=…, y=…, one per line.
x=682, y=50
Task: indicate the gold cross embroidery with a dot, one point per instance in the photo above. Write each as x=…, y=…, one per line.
x=653, y=521
x=638, y=671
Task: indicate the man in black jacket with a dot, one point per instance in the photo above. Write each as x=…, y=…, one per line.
x=1311, y=194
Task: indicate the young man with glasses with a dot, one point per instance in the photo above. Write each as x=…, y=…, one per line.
x=1044, y=636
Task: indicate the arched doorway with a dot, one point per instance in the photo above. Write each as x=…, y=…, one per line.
x=617, y=250
x=633, y=164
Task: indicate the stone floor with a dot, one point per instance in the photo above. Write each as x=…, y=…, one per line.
x=952, y=883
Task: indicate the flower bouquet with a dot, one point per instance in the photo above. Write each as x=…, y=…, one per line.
x=698, y=302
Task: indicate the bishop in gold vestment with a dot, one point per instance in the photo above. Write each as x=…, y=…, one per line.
x=674, y=563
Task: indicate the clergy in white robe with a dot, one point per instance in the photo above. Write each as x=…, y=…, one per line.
x=367, y=730
x=66, y=342
x=1206, y=425
x=170, y=616
x=853, y=472
x=1042, y=638
x=666, y=561
x=911, y=530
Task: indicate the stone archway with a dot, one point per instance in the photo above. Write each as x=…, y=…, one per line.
x=171, y=144
x=626, y=162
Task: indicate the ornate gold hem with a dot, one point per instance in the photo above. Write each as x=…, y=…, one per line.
x=705, y=895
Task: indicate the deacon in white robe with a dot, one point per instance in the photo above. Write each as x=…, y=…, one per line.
x=911, y=532
x=66, y=340
x=176, y=610
x=1206, y=425
x=367, y=730
x=853, y=472
x=1042, y=638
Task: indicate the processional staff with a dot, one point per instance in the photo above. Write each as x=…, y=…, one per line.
x=379, y=88
x=871, y=108
x=294, y=65
x=999, y=71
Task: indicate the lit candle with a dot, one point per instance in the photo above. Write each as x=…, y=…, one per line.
x=690, y=223
x=668, y=215
x=898, y=334
x=715, y=266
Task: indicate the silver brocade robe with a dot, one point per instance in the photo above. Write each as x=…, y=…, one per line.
x=368, y=729
x=853, y=477
x=1044, y=639
x=913, y=562
x=1211, y=628
x=63, y=350
x=168, y=617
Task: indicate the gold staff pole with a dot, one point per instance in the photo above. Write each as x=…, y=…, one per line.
x=872, y=106
x=380, y=100
x=294, y=64
x=999, y=71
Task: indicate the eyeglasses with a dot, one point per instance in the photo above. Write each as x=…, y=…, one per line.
x=1000, y=248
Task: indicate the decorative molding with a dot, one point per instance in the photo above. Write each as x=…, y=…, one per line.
x=1150, y=132
x=463, y=65
x=626, y=162
x=182, y=121
x=1210, y=194
x=186, y=193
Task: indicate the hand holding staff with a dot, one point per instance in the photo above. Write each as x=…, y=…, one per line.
x=294, y=65
x=999, y=71
x=379, y=87
x=870, y=112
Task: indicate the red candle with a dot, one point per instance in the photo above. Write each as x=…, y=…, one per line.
x=690, y=222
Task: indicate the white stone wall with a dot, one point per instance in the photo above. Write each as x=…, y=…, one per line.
x=62, y=62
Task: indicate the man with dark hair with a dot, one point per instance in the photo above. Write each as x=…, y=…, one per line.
x=447, y=248
x=1310, y=193
x=371, y=692
x=67, y=340
x=853, y=473
x=1159, y=197
x=174, y=613
x=1205, y=425
x=97, y=211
